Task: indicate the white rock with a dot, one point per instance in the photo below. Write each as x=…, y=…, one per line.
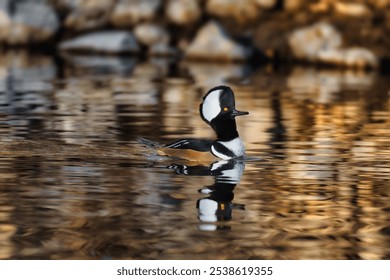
x=355, y=57
x=28, y=23
x=360, y=58
x=183, y=12
x=212, y=42
x=37, y=16
x=331, y=56
x=242, y=11
x=129, y=12
x=307, y=42
x=149, y=34
x=103, y=41
x=4, y=4
x=323, y=43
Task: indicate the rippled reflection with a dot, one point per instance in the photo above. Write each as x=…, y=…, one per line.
x=74, y=183
x=217, y=206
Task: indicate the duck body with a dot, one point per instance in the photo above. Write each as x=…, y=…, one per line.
x=187, y=149
x=217, y=110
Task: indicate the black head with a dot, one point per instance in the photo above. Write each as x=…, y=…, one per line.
x=219, y=103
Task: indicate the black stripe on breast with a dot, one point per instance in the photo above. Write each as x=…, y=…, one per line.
x=223, y=150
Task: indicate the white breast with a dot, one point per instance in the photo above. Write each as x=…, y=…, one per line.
x=235, y=145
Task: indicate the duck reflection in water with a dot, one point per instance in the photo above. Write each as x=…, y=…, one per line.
x=217, y=206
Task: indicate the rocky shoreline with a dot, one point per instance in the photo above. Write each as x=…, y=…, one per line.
x=347, y=34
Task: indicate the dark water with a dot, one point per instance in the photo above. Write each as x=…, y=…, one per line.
x=75, y=184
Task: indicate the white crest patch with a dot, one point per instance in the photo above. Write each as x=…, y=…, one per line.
x=210, y=106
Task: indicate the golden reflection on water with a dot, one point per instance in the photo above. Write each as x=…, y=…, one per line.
x=75, y=184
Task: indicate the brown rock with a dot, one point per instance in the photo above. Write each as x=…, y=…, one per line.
x=213, y=43
x=292, y=5
x=103, y=41
x=149, y=34
x=243, y=11
x=266, y=4
x=87, y=15
x=129, y=12
x=183, y=12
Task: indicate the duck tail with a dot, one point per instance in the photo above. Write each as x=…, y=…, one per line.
x=148, y=143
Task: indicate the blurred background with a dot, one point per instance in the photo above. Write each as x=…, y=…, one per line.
x=339, y=33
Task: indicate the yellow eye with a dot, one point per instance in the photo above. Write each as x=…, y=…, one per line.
x=226, y=109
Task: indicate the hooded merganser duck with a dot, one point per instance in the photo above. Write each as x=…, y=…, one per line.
x=217, y=110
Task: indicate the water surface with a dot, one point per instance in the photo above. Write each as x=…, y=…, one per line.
x=75, y=184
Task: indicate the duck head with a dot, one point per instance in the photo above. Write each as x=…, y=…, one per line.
x=219, y=104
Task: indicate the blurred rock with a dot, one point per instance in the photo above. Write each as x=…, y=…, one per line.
x=64, y=4
x=243, y=11
x=156, y=38
x=5, y=23
x=379, y=4
x=103, y=41
x=307, y=42
x=322, y=43
x=356, y=57
x=183, y=12
x=266, y=4
x=129, y=12
x=319, y=7
x=213, y=43
x=87, y=15
x=27, y=23
x=162, y=49
x=351, y=9
x=80, y=4
x=149, y=34
x=292, y=5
